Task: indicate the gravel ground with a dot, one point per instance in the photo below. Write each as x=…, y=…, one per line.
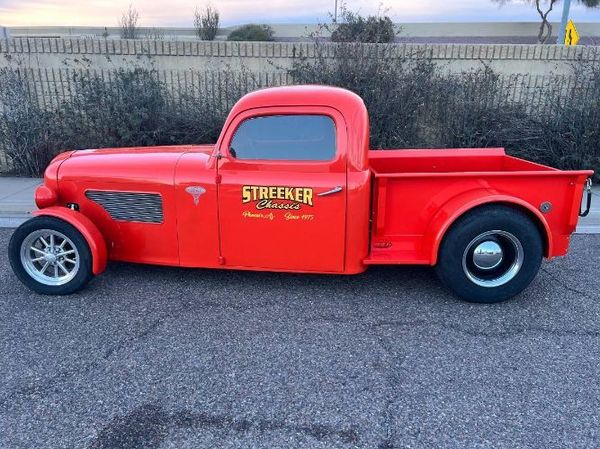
x=151, y=357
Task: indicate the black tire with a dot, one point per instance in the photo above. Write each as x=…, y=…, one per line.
x=81, y=275
x=457, y=267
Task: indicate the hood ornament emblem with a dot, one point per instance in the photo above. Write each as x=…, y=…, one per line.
x=195, y=191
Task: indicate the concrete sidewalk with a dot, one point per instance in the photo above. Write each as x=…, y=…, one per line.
x=16, y=200
x=591, y=223
x=16, y=204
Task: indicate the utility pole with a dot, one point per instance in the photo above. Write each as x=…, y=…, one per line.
x=563, y=23
x=335, y=13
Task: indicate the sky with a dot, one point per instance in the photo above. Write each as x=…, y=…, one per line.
x=179, y=13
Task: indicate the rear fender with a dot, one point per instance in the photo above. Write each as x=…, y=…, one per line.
x=87, y=228
x=460, y=204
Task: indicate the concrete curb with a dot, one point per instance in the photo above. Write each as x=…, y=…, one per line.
x=13, y=221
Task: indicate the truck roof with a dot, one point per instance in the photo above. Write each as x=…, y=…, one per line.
x=306, y=95
x=347, y=103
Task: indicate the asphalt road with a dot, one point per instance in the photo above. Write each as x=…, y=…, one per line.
x=151, y=357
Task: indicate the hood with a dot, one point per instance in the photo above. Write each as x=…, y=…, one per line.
x=144, y=164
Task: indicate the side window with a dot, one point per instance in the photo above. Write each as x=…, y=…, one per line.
x=285, y=137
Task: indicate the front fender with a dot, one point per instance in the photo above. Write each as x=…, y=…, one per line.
x=462, y=203
x=88, y=229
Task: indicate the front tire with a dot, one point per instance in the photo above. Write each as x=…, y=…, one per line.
x=50, y=256
x=490, y=254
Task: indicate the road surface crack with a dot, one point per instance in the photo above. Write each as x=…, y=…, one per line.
x=564, y=285
x=508, y=333
x=46, y=387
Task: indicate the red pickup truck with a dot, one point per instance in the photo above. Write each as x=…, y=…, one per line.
x=291, y=185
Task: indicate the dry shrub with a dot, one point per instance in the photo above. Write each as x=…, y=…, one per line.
x=29, y=134
x=414, y=103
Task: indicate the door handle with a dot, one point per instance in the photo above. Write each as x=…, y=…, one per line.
x=336, y=189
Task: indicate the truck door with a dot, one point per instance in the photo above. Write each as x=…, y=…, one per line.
x=282, y=190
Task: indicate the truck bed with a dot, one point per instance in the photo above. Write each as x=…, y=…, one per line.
x=458, y=162
x=414, y=190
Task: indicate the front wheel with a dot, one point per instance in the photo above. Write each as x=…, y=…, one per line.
x=50, y=256
x=490, y=254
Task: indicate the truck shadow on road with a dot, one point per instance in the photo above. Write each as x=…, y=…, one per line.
x=380, y=282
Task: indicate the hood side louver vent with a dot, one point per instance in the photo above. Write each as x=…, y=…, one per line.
x=129, y=206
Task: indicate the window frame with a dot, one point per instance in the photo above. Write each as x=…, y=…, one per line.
x=336, y=164
x=258, y=117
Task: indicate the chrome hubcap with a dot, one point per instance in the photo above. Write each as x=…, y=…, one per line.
x=493, y=258
x=49, y=257
x=487, y=255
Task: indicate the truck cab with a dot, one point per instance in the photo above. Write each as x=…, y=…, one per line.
x=292, y=185
x=291, y=167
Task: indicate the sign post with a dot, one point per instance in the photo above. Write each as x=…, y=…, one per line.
x=563, y=23
x=4, y=34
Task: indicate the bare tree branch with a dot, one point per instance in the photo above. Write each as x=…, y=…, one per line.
x=545, y=31
x=206, y=22
x=545, y=27
x=128, y=23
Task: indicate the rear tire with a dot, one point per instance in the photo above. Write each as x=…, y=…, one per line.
x=50, y=256
x=490, y=254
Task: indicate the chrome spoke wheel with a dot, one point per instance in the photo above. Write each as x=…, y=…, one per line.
x=49, y=257
x=493, y=258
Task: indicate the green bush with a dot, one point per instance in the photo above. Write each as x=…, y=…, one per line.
x=371, y=29
x=252, y=32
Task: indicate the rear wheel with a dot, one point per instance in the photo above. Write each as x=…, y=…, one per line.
x=50, y=256
x=490, y=254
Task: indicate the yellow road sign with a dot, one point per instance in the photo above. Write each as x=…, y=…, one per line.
x=571, y=34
